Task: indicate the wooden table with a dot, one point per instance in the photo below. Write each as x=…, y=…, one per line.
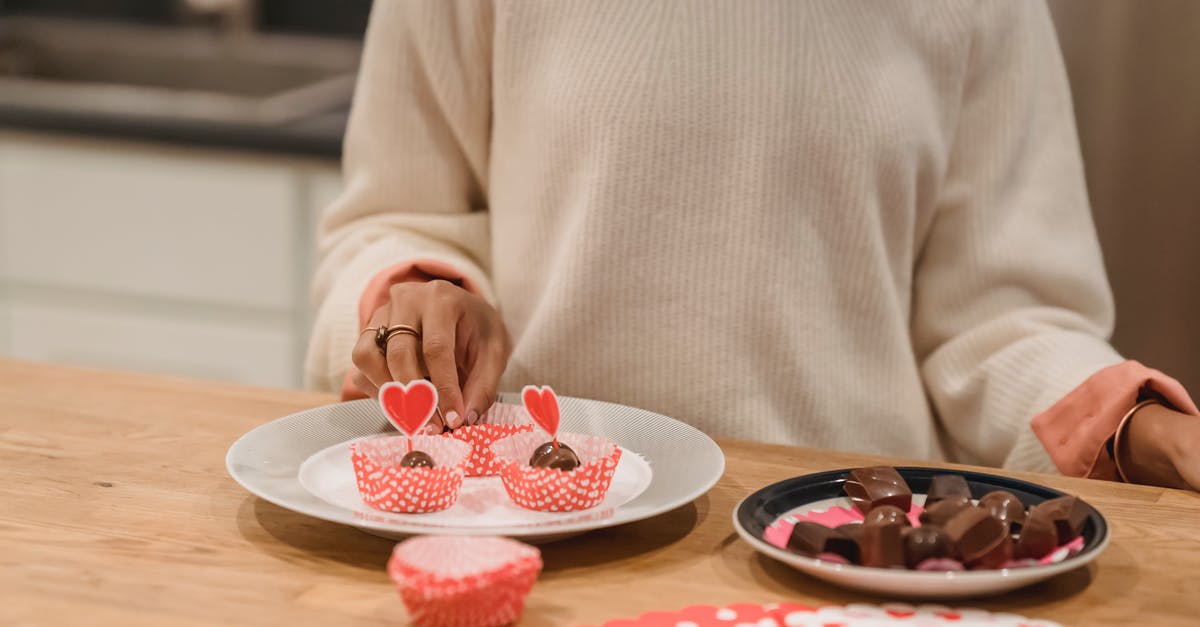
x=116, y=509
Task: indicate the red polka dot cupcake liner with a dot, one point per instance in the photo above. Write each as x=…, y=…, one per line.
x=501, y=421
x=385, y=485
x=464, y=581
x=552, y=490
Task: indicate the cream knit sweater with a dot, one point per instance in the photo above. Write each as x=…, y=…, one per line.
x=851, y=225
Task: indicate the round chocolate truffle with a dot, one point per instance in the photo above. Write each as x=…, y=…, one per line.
x=558, y=456
x=887, y=515
x=417, y=459
x=1005, y=507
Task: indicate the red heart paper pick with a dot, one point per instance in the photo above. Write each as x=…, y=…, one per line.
x=408, y=407
x=542, y=405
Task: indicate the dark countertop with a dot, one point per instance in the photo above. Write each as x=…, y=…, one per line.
x=319, y=136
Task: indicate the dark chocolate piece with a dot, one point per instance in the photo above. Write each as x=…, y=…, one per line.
x=974, y=533
x=882, y=546
x=941, y=512
x=416, y=459
x=845, y=540
x=551, y=455
x=1005, y=507
x=808, y=538
x=1038, y=536
x=925, y=542
x=946, y=486
x=1068, y=514
x=887, y=515
x=995, y=558
x=869, y=488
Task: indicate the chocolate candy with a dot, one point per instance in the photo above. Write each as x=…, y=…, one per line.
x=845, y=541
x=974, y=533
x=808, y=538
x=554, y=455
x=887, y=515
x=942, y=511
x=1005, y=507
x=416, y=459
x=869, y=488
x=1067, y=513
x=946, y=486
x=995, y=558
x=926, y=542
x=882, y=546
x=1038, y=536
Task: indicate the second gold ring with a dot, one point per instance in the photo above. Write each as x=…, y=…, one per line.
x=383, y=334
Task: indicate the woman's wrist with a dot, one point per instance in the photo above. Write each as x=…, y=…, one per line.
x=1152, y=446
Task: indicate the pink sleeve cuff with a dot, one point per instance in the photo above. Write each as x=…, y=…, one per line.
x=376, y=294
x=1077, y=429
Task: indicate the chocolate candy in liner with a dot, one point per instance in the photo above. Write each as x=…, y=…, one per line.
x=554, y=455
x=926, y=542
x=844, y=541
x=887, y=515
x=1005, y=507
x=871, y=487
x=1038, y=536
x=1068, y=514
x=941, y=512
x=995, y=558
x=416, y=459
x=808, y=538
x=974, y=533
x=882, y=546
x=947, y=486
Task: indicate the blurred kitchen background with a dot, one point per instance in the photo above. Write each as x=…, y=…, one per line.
x=163, y=163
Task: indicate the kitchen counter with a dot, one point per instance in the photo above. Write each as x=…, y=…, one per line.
x=117, y=510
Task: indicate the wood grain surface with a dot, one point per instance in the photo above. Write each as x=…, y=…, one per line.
x=115, y=509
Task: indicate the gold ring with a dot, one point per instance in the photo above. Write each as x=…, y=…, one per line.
x=371, y=329
x=384, y=334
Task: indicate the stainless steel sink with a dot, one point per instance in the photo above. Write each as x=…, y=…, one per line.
x=165, y=73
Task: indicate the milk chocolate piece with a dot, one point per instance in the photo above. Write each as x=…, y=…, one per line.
x=995, y=558
x=946, y=486
x=941, y=512
x=1005, y=507
x=882, y=546
x=926, y=542
x=1068, y=514
x=887, y=515
x=550, y=455
x=974, y=533
x=808, y=538
x=869, y=488
x=844, y=541
x=416, y=459
x=1038, y=536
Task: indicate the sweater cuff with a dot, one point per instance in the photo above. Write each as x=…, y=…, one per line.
x=376, y=294
x=1077, y=429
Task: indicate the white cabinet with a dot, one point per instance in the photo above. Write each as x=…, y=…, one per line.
x=193, y=262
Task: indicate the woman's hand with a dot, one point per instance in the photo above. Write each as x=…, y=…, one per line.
x=1162, y=447
x=463, y=348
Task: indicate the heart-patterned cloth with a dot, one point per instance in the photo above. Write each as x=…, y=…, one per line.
x=501, y=421
x=386, y=485
x=854, y=615
x=550, y=489
x=468, y=581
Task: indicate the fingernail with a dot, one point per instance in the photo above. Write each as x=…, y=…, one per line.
x=453, y=420
x=472, y=417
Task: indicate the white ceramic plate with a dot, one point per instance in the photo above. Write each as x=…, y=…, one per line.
x=267, y=461
x=820, y=491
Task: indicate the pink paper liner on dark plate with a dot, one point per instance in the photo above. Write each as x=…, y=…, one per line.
x=501, y=421
x=468, y=581
x=385, y=485
x=551, y=490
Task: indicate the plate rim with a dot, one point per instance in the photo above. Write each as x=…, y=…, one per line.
x=968, y=577
x=667, y=506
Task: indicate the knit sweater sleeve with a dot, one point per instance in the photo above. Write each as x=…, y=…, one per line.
x=1011, y=304
x=415, y=166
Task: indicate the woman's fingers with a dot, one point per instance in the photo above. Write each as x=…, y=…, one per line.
x=403, y=363
x=438, y=340
x=364, y=385
x=480, y=390
x=368, y=359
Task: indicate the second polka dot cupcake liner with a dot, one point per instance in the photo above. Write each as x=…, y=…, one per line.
x=551, y=490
